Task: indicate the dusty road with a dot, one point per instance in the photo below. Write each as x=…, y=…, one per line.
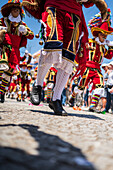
x=33, y=138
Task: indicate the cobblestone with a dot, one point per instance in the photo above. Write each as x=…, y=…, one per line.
x=33, y=138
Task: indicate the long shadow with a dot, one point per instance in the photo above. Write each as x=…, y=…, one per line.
x=3, y=111
x=41, y=111
x=86, y=116
x=70, y=114
x=54, y=154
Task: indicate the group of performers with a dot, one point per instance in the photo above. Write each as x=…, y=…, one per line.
x=59, y=18
x=96, y=51
x=20, y=82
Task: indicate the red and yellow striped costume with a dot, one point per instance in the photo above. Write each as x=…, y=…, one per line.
x=13, y=42
x=93, y=63
x=23, y=79
x=10, y=53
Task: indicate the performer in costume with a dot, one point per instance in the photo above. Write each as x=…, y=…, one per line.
x=62, y=18
x=13, y=85
x=51, y=80
x=13, y=35
x=23, y=79
x=96, y=50
x=29, y=67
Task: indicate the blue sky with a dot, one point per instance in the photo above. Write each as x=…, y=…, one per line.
x=33, y=45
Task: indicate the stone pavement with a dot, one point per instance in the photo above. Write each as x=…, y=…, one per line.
x=33, y=138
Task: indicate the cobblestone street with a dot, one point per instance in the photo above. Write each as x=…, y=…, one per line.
x=33, y=138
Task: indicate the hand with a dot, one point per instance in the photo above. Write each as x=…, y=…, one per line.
x=22, y=29
x=2, y=33
x=90, y=47
x=111, y=90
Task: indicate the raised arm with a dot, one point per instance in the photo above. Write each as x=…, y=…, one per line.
x=102, y=6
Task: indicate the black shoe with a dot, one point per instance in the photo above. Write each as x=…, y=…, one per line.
x=56, y=106
x=2, y=98
x=92, y=109
x=48, y=100
x=18, y=100
x=35, y=96
x=8, y=96
x=12, y=97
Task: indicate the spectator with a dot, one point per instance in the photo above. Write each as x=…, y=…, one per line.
x=103, y=96
x=109, y=86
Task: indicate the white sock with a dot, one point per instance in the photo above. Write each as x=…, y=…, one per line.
x=41, y=73
x=61, y=80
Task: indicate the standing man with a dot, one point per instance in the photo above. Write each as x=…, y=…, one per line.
x=65, y=28
x=13, y=35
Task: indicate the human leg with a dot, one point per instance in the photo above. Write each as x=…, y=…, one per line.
x=83, y=81
x=61, y=80
x=63, y=71
x=108, y=103
x=103, y=100
x=74, y=94
x=49, y=91
x=35, y=96
x=103, y=103
x=51, y=54
x=95, y=99
x=66, y=23
x=97, y=78
x=1, y=73
x=3, y=86
x=112, y=103
x=63, y=96
x=89, y=100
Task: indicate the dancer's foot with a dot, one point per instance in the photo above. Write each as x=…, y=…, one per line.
x=18, y=100
x=56, y=106
x=35, y=96
x=92, y=109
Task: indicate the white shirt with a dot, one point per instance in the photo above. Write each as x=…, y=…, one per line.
x=110, y=79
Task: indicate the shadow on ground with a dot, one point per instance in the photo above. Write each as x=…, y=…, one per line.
x=54, y=154
x=70, y=114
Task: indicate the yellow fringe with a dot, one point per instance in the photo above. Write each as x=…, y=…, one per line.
x=101, y=30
